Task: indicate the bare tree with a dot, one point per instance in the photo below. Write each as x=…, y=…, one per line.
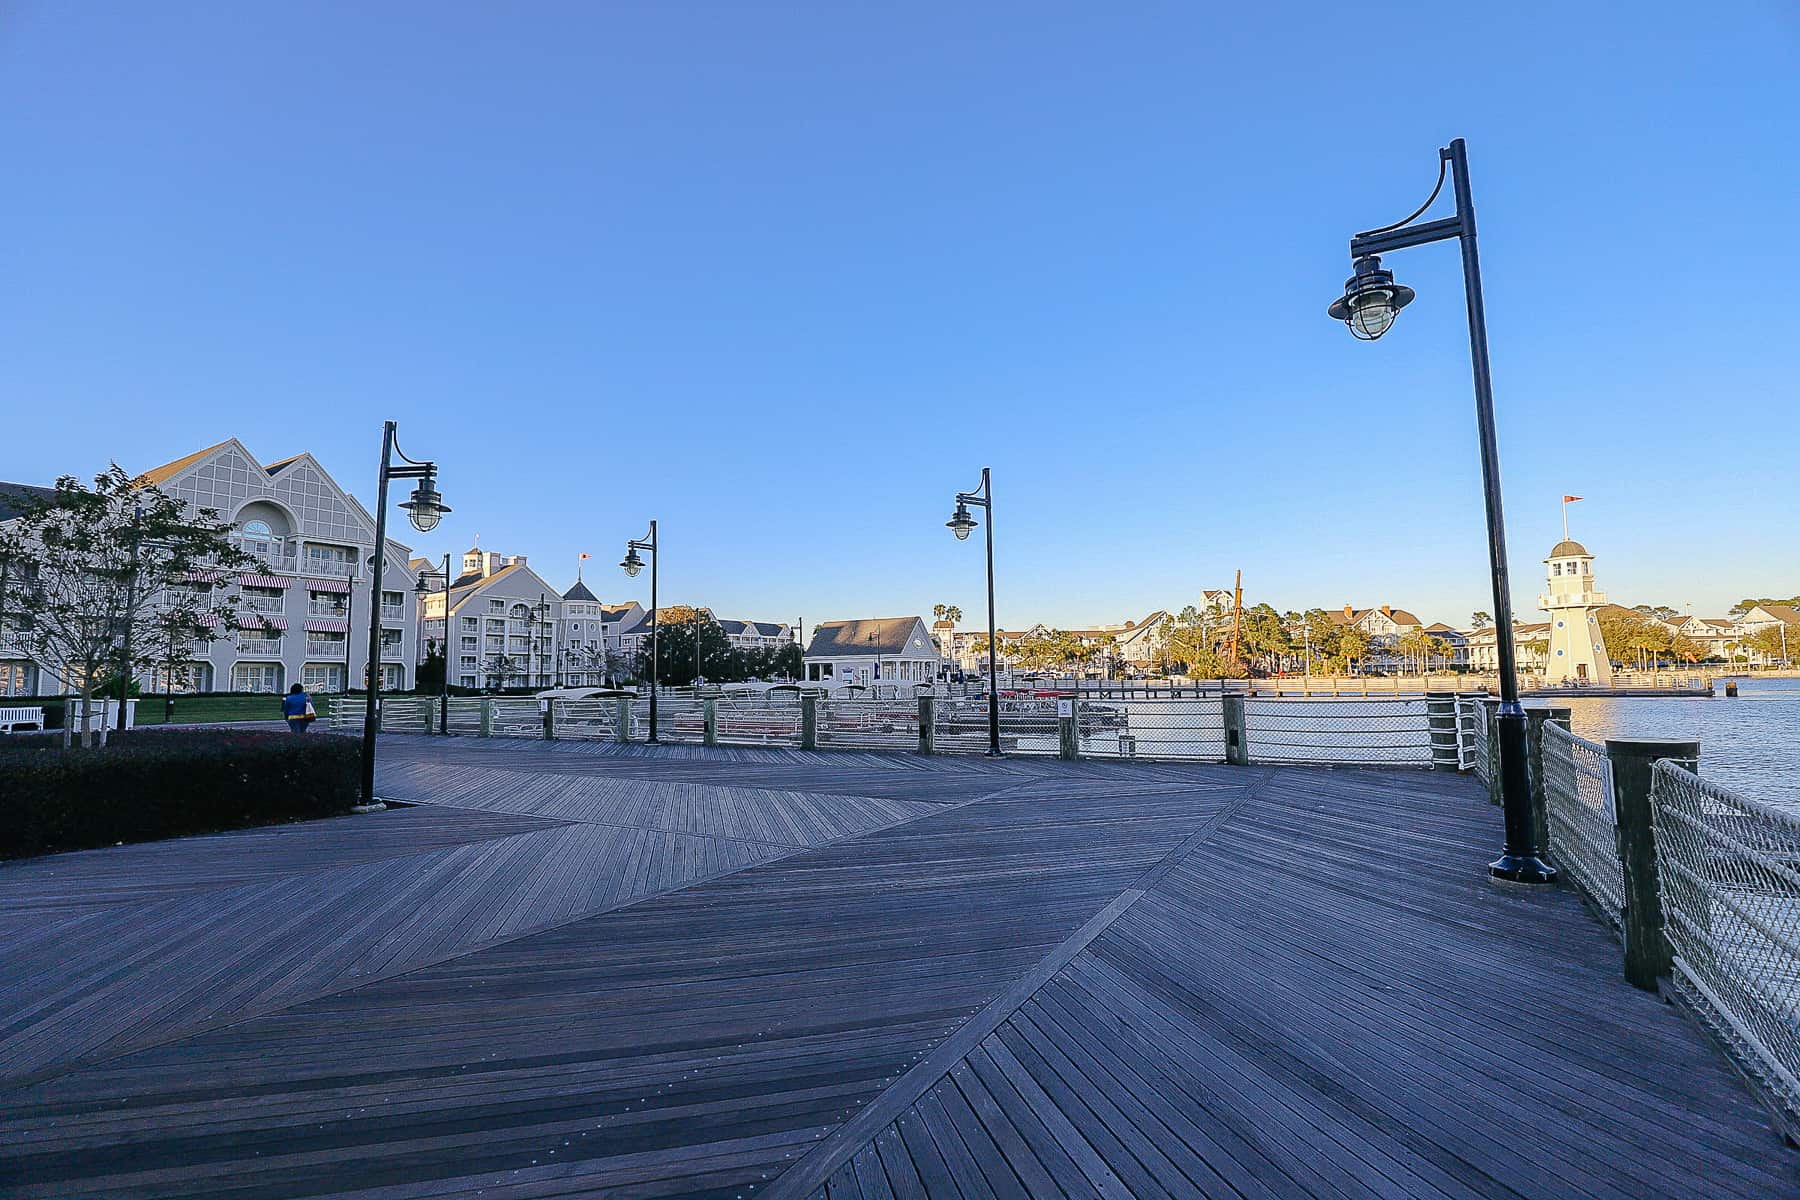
x=120, y=577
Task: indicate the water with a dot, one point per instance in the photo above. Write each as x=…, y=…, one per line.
x=1750, y=744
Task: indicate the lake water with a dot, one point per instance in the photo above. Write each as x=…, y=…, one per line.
x=1750, y=744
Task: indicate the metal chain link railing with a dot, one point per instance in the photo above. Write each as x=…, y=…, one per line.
x=757, y=721
x=1183, y=729
x=1343, y=732
x=1578, y=799
x=1730, y=871
x=869, y=724
x=1027, y=725
x=587, y=720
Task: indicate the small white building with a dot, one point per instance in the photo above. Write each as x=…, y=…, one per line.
x=871, y=651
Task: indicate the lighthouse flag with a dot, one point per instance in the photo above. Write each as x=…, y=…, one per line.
x=1566, y=501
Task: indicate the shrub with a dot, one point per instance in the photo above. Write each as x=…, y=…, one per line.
x=149, y=784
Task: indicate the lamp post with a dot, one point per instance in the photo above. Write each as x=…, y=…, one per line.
x=425, y=507
x=1370, y=302
x=633, y=564
x=961, y=523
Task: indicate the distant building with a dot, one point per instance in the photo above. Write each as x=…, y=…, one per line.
x=1384, y=625
x=504, y=623
x=1531, y=645
x=871, y=651
x=1455, y=639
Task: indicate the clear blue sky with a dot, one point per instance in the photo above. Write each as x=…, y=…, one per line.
x=787, y=275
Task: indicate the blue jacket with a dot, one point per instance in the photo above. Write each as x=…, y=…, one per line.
x=294, y=704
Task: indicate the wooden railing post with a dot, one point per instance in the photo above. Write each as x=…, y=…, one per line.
x=1237, y=740
x=1535, y=720
x=430, y=711
x=1440, y=722
x=624, y=703
x=487, y=716
x=1068, y=729
x=709, y=718
x=1491, y=722
x=927, y=724
x=1648, y=955
x=550, y=721
x=809, y=722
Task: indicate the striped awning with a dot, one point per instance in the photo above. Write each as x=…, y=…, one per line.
x=202, y=576
x=328, y=625
x=254, y=621
x=327, y=585
x=268, y=581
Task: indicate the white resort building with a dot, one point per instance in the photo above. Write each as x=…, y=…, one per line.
x=308, y=596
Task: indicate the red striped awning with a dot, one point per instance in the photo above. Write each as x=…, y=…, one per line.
x=268, y=581
x=202, y=577
x=328, y=625
x=327, y=585
x=251, y=622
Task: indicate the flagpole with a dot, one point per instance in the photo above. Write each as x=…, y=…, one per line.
x=1565, y=518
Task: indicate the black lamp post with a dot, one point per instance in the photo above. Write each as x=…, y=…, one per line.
x=633, y=564
x=424, y=508
x=961, y=523
x=1370, y=302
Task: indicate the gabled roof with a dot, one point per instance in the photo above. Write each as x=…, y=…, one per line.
x=169, y=470
x=1440, y=627
x=876, y=635
x=1787, y=614
x=17, y=498
x=580, y=592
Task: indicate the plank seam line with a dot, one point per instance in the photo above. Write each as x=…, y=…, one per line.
x=452, y=806
x=215, y=1024
x=806, y=1176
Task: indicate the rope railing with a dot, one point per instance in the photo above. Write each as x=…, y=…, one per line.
x=1167, y=729
x=1729, y=866
x=1578, y=801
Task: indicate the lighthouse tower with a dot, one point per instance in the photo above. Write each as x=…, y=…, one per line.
x=1577, y=650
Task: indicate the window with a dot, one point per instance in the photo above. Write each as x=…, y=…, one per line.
x=470, y=624
x=393, y=600
x=467, y=662
x=468, y=681
x=256, y=677
x=470, y=643
x=322, y=677
x=258, y=529
x=496, y=606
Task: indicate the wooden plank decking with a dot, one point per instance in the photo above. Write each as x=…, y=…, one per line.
x=846, y=975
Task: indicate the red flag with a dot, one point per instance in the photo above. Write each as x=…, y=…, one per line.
x=1566, y=499
x=590, y=556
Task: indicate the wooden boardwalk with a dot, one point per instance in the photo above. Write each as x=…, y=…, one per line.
x=594, y=970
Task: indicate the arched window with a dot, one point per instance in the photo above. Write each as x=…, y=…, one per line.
x=258, y=529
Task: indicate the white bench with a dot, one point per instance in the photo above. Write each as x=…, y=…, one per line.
x=12, y=719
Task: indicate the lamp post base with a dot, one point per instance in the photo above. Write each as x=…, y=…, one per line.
x=1517, y=868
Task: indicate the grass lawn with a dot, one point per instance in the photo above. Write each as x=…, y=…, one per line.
x=191, y=710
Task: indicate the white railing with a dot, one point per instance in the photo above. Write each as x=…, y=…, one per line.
x=324, y=649
x=315, y=608
x=1348, y=731
x=1582, y=821
x=260, y=647
x=1729, y=866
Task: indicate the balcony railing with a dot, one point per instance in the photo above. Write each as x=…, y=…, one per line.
x=325, y=649
x=273, y=557
x=393, y=651
x=259, y=647
x=331, y=568
x=395, y=611
x=265, y=604
x=315, y=608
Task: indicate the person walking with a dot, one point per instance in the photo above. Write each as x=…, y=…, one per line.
x=297, y=707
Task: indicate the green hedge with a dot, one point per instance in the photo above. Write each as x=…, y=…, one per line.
x=149, y=784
